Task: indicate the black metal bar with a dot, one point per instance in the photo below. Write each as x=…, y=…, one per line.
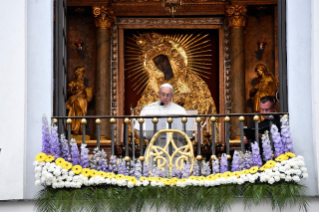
x=271, y=118
x=141, y=138
x=154, y=130
x=242, y=145
x=133, y=140
x=112, y=137
x=184, y=128
x=98, y=133
x=227, y=134
x=126, y=138
x=83, y=131
x=69, y=135
x=199, y=148
x=170, y=147
x=213, y=139
x=257, y=131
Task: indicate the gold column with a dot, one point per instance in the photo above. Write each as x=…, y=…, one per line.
x=104, y=19
x=237, y=21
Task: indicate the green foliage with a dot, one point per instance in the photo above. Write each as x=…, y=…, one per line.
x=190, y=198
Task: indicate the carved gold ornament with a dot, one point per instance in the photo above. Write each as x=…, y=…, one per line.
x=236, y=15
x=104, y=17
x=163, y=158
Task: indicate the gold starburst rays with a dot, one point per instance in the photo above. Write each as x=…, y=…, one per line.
x=197, y=51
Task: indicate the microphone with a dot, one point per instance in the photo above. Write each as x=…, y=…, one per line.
x=162, y=104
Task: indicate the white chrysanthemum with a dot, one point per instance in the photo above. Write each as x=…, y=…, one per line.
x=37, y=169
x=43, y=179
x=277, y=178
x=153, y=183
x=71, y=173
x=287, y=167
x=64, y=176
x=283, y=163
x=69, y=179
x=282, y=169
x=113, y=181
x=92, y=181
x=299, y=157
x=67, y=184
x=275, y=168
x=51, y=169
x=48, y=182
x=189, y=182
x=268, y=171
x=37, y=183
x=271, y=180
x=240, y=181
x=257, y=175
x=249, y=175
x=48, y=175
x=301, y=163
x=278, y=165
x=145, y=183
x=206, y=183
x=297, y=171
x=55, y=185
x=217, y=182
x=130, y=184
x=42, y=163
x=64, y=171
x=222, y=180
x=305, y=175
x=303, y=169
x=61, y=184
x=288, y=178
x=38, y=175
x=200, y=183
x=76, y=178
x=296, y=179
x=282, y=176
x=36, y=163
x=251, y=179
x=161, y=184
x=73, y=184
x=108, y=181
x=288, y=172
x=78, y=185
x=138, y=183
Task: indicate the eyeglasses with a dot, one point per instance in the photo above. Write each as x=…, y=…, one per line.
x=165, y=95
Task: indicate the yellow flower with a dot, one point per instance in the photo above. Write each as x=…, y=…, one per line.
x=262, y=168
x=49, y=158
x=67, y=165
x=102, y=174
x=59, y=161
x=290, y=154
x=119, y=177
x=143, y=178
x=77, y=169
x=210, y=177
x=219, y=175
x=94, y=173
x=86, y=172
x=131, y=179
x=270, y=163
x=245, y=172
x=282, y=157
x=192, y=178
x=158, y=179
x=110, y=175
x=40, y=157
x=253, y=169
x=182, y=180
x=201, y=178
x=167, y=182
x=236, y=174
x=174, y=180
x=228, y=174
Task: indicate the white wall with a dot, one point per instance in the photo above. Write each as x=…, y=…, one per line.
x=315, y=80
x=13, y=83
x=40, y=81
x=299, y=84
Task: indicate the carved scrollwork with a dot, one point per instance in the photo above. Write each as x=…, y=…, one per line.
x=236, y=15
x=104, y=17
x=227, y=69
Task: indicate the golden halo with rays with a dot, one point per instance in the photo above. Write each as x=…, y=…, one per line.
x=191, y=47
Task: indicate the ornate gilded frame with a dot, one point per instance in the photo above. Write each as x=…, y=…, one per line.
x=117, y=57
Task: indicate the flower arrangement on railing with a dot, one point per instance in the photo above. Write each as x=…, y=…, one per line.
x=57, y=168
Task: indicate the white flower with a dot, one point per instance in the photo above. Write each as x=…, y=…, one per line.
x=278, y=165
x=271, y=180
x=222, y=180
x=287, y=167
x=37, y=175
x=145, y=182
x=282, y=169
x=251, y=179
x=288, y=172
x=55, y=185
x=200, y=183
x=282, y=176
x=67, y=184
x=301, y=163
x=138, y=183
x=240, y=181
x=153, y=183
x=299, y=157
x=108, y=181
x=48, y=182
x=37, y=183
x=303, y=169
x=297, y=171
x=78, y=185
x=43, y=179
x=113, y=181
x=69, y=179
x=61, y=184
x=48, y=175
x=64, y=171
x=284, y=162
x=206, y=183
x=37, y=169
x=54, y=180
x=36, y=163
x=305, y=175
x=277, y=178
x=42, y=163
x=161, y=184
x=51, y=169
x=71, y=173
x=288, y=178
x=130, y=184
x=47, y=165
x=275, y=169
x=296, y=179
x=268, y=171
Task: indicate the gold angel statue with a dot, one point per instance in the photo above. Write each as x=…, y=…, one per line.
x=78, y=101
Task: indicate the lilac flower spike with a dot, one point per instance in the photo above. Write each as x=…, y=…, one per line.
x=223, y=163
x=54, y=140
x=123, y=168
x=205, y=168
x=256, y=154
x=157, y=172
x=186, y=170
x=277, y=140
x=99, y=161
x=235, y=163
x=195, y=169
x=248, y=160
x=267, y=150
x=215, y=166
x=112, y=166
x=65, y=149
x=84, y=156
x=146, y=170
x=286, y=135
x=138, y=169
x=75, y=153
x=46, y=148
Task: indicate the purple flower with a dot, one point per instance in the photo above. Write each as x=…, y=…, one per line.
x=195, y=169
x=256, y=154
x=267, y=150
x=99, y=161
x=112, y=166
x=286, y=135
x=146, y=170
x=54, y=140
x=186, y=171
x=223, y=163
x=215, y=166
x=65, y=149
x=84, y=156
x=205, y=168
x=123, y=169
x=248, y=160
x=176, y=173
x=157, y=172
x=235, y=163
x=45, y=136
x=130, y=165
x=241, y=161
x=75, y=153
x=277, y=140
x=138, y=169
